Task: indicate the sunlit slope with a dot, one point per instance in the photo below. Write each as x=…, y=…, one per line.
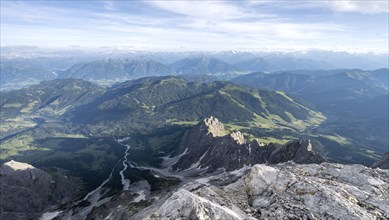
x=174, y=100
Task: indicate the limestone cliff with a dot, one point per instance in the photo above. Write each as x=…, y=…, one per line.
x=208, y=145
x=27, y=191
x=283, y=191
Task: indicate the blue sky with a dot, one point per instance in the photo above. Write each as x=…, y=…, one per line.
x=198, y=25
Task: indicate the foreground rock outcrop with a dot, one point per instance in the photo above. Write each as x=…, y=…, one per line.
x=27, y=191
x=284, y=191
x=208, y=145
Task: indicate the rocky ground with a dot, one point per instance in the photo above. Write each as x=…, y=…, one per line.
x=284, y=191
x=27, y=191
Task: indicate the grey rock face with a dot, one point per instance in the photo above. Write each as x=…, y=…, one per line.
x=298, y=151
x=27, y=191
x=208, y=145
x=283, y=191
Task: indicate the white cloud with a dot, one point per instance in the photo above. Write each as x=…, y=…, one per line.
x=361, y=6
x=198, y=24
x=240, y=21
x=358, y=6
x=207, y=9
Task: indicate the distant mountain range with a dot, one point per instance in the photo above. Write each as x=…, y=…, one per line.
x=17, y=75
x=318, y=86
x=277, y=63
x=204, y=65
x=107, y=67
x=116, y=70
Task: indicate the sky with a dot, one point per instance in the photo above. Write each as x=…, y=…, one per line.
x=198, y=25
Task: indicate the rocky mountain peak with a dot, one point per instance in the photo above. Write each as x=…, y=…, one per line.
x=14, y=165
x=282, y=191
x=27, y=191
x=214, y=127
x=221, y=150
x=238, y=137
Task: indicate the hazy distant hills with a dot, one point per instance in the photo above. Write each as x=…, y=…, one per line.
x=53, y=97
x=110, y=66
x=23, y=73
x=322, y=87
x=204, y=65
x=330, y=91
x=310, y=59
x=125, y=69
x=117, y=69
x=277, y=63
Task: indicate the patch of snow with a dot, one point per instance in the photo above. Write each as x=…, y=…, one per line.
x=182, y=203
x=240, y=172
x=50, y=215
x=142, y=188
x=168, y=161
x=197, y=163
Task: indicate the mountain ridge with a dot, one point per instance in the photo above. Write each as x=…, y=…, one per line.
x=116, y=70
x=209, y=146
x=203, y=65
x=27, y=191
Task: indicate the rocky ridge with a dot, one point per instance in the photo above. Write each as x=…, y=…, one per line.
x=27, y=191
x=209, y=146
x=278, y=191
x=282, y=191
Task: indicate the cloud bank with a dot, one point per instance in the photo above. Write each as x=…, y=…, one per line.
x=197, y=25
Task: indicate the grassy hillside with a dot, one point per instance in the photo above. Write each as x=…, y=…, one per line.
x=354, y=101
x=174, y=100
x=49, y=97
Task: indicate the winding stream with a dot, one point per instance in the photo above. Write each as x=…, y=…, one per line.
x=125, y=182
x=94, y=197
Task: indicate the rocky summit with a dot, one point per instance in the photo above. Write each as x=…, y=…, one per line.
x=27, y=191
x=282, y=191
x=209, y=146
